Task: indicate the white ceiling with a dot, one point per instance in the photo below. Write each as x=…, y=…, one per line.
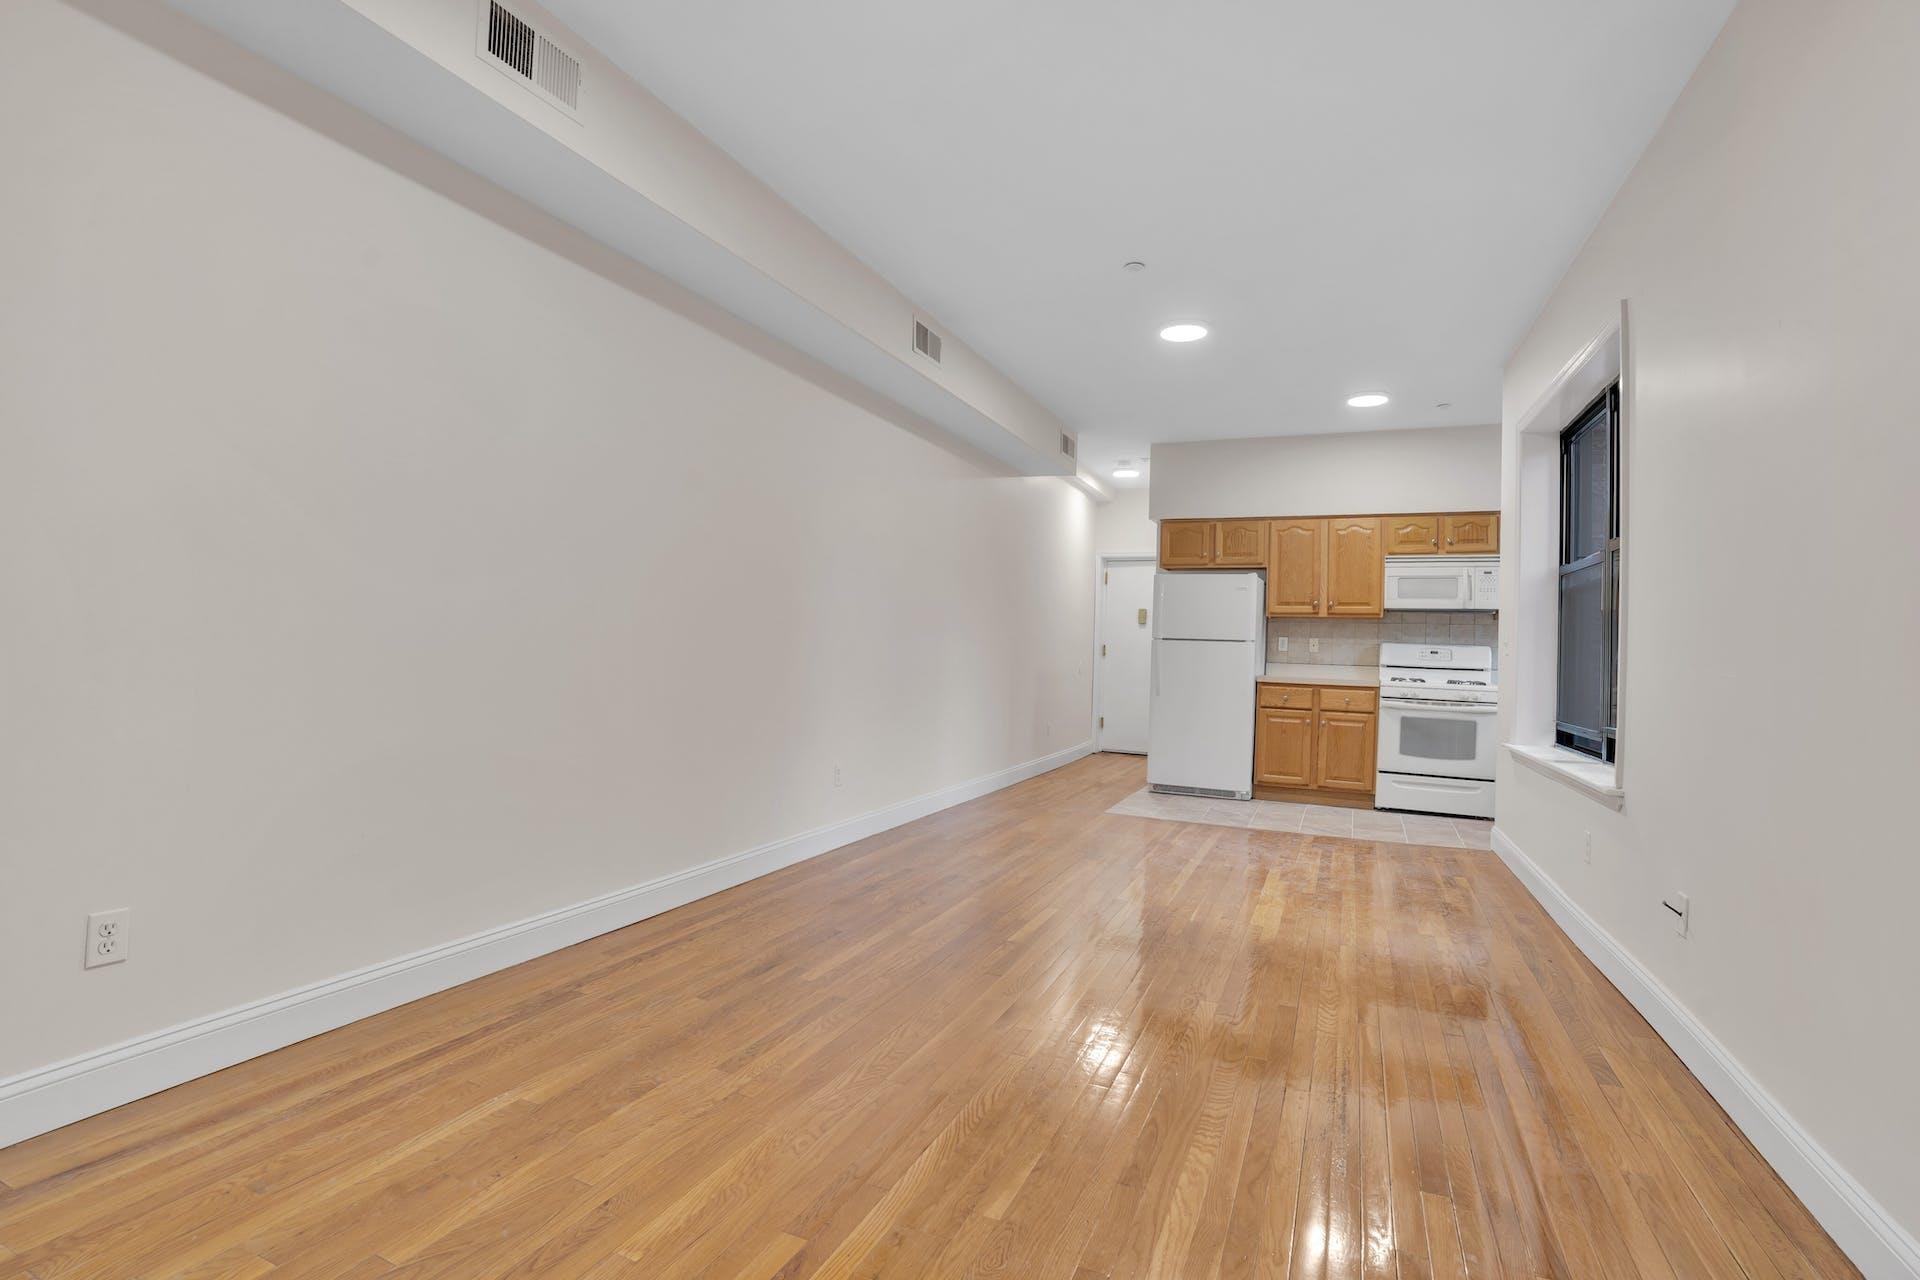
x=1354, y=196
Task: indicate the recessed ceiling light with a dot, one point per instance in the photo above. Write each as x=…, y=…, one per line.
x=1184, y=332
x=1135, y=265
x=1126, y=473
x=1371, y=400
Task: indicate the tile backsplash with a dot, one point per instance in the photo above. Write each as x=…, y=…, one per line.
x=1355, y=642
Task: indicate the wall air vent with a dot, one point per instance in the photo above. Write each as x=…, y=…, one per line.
x=509, y=42
x=926, y=341
x=1067, y=445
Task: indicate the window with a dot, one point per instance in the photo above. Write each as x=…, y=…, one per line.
x=1585, y=711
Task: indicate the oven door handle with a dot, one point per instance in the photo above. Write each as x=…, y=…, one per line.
x=1423, y=704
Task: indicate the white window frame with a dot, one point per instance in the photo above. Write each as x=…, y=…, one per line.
x=1531, y=668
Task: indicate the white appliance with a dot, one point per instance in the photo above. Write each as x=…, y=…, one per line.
x=1443, y=582
x=1209, y=649
x=1439, y=711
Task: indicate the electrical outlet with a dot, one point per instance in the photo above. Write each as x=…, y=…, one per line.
x=107, y=937
x=837, y=779
x=1313, y=644
x=1679, y=911
x=1279, y=644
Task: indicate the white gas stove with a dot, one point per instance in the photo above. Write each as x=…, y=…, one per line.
x=1438, y=710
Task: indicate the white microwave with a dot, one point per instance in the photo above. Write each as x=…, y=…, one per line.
x=1443, y=582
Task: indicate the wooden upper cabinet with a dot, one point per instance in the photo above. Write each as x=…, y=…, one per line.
x=1240, y=543
x=1186, y=544
x=1283, y=749
x=1413, y=535
x=1356, y=577
x=1343, y=750
x=1296, y=562
x=1474, y=534
x=1213, y=544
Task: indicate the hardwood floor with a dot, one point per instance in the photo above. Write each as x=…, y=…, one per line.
x=1021, y=1038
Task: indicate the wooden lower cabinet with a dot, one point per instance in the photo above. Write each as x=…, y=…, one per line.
x=1283, y=748
x=1305, y=743
x=1343, y=751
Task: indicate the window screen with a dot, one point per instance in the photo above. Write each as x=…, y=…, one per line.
x=1589, y=576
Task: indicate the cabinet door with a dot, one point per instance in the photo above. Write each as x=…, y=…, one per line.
x=1296, y=560
x=1240, y=543
x=1356, y=578
x=1343, y=750
x=1283, y=749
x=1477, y=534
x=1186, y=544
x=1413, y=535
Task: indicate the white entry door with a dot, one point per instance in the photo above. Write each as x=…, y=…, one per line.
x=1126, y=652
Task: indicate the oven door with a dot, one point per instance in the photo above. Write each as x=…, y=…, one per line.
x=1438, y=739
x=1424, y=582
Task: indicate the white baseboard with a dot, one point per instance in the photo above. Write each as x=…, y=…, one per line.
x=51, y=1096
x=1879, y=1246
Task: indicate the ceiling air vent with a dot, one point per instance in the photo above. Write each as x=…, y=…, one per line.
x=510, y=43
x=926, y=341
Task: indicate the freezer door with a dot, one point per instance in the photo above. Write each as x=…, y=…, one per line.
x=1201, y=605
x=1200, y=728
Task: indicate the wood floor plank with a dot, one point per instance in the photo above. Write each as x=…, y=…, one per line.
x=1022, y=1037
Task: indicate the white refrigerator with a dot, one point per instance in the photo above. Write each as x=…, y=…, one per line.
x=1209, y=650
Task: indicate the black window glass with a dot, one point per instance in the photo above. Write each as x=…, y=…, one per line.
x=1589, y=579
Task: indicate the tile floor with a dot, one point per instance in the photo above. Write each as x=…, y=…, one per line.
x=1313, y=819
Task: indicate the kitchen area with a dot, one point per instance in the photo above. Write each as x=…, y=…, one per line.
x=1333, y=674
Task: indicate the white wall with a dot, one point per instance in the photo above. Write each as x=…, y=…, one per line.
x=1439, y=469
x=632, y=173
x=375, y=575
x=1766, y=247
x=1122, y=524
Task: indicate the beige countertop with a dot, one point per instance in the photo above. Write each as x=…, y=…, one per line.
x=1313, y=673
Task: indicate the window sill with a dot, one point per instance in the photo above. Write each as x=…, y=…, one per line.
x=1590, y=777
